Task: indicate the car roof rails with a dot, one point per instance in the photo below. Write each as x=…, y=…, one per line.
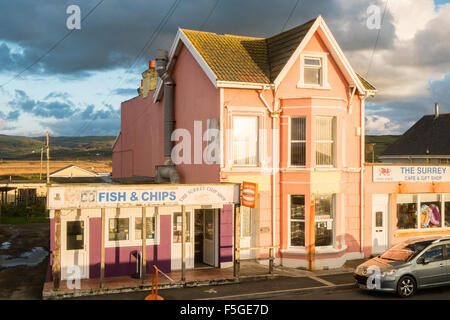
x=444, y=238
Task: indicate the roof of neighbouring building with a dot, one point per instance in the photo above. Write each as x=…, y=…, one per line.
x=250, y=59
x=72, y=171
x=429, y=133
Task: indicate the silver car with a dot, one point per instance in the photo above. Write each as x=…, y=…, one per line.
x=417, y=263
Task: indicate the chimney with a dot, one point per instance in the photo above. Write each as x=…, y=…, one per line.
x=149, y=79
x=436, y=110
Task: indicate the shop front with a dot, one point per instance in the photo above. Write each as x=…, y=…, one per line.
x=405, y=201
x=113, y=230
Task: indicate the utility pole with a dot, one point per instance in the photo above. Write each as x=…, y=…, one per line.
x=48, y=158
x=42, y=155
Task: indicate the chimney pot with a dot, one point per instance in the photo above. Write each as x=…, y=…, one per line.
x=436, y=110
x=152, y=64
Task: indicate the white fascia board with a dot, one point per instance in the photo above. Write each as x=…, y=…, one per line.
x=336, y=52
x=243, y=85
x=174, y=50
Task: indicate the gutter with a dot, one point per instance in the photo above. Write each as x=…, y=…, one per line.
x=361, y=217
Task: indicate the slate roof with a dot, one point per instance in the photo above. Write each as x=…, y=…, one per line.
x=250, y=59
x=429, y=133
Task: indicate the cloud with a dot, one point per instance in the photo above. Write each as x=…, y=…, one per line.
x=13, y=115
x=377, y=125
x=55, y=109
x=126, y=91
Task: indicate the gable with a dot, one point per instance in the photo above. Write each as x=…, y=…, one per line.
x=73, y=171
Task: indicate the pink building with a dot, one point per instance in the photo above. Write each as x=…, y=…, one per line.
x=290, y=115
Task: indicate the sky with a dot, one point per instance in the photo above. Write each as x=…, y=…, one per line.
x=76, y=89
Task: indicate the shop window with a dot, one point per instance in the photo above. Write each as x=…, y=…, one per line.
x=118, y=229
x=298, y=141
x=430, y=211
x=324, y=220
x=325, y=141
x=422, y=211
x=447, y=210
x=406, y=211
x=150, y=225
x=178, y=227
x=297, y=220
x=246, y=218
x=75, y=235
x=245, y=141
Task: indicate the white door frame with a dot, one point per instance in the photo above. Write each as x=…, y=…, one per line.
x=380, y=202
x=214, y=245
x=69, y=255
x=175, y=258
x=246, y=242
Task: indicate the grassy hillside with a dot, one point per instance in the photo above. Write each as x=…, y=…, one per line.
x=61, y=148
x=381, y=143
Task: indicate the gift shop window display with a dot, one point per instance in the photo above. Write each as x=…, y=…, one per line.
x=423, y=211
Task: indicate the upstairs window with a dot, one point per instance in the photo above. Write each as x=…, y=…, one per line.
x=325, y=141
x=313, y=71
x=298, y=141
x=245, y=141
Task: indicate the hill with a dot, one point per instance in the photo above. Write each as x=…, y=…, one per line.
x=381, y=143
x=61, y=148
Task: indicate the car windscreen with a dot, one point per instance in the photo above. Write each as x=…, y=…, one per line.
x=405, y=251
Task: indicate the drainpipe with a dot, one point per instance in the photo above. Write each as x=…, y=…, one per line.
x=168, y=170
x=274, y=116
x=361, y=218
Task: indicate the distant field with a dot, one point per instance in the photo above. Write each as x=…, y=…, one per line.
x=32, y=168
x=61, y=148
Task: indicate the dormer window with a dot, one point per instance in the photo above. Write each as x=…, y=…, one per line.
x=313, y=71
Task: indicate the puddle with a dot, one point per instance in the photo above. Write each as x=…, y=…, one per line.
x=5, y=245
x=30, y=258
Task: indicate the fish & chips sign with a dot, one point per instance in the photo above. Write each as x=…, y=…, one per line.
x=411, y=174
x=101, y=197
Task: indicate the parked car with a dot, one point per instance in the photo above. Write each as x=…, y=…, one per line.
x=417, y=263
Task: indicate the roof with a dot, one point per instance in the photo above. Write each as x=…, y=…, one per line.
x=60, y=172
x=429, y=133
x=233, y=58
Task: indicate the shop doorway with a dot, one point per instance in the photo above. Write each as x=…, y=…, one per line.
x=380, y=205
x=206, y=238
x=74, y=248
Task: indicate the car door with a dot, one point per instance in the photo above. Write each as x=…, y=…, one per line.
x=434, y=270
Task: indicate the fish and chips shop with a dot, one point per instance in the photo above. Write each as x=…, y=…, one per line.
x=118, y=230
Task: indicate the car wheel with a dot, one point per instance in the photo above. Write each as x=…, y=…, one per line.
x=406, y=287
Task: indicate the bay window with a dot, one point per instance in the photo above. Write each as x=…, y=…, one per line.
x=245, y=141
x=298, y=141
x=325, y=141
x=297, y=220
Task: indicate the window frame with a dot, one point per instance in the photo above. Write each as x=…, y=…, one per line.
x=443, y=199
x=290, y=165
x=333, y=142
x=333, y=221
x=258, y=142
x=323, y=56
x=131, y=216
x=298, y=220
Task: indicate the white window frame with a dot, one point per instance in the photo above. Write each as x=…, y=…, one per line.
x=323, y=56
x=131, y=216
x=299, y=220
x=290, y=165
x=333, y=221
x=333, y=142
x=443, y=198
x=258, y=144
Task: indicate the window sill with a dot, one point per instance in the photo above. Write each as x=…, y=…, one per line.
x=311, y=86
x=130, y=243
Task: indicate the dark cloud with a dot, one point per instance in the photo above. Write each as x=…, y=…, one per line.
x=44, y=109
x=13, y=115
x=114, y=34
x=62, y=95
